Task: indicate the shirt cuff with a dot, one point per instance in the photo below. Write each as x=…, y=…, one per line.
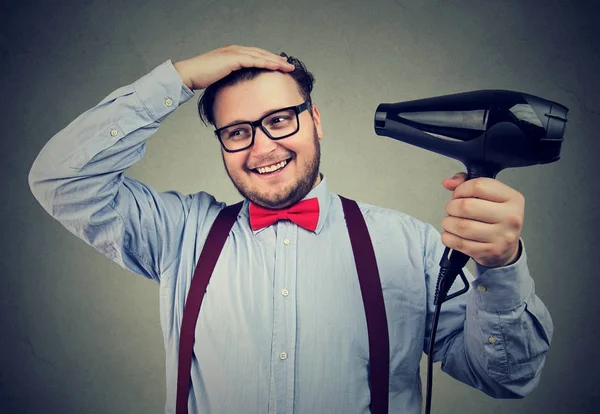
x=502, y=288
x=162, y=91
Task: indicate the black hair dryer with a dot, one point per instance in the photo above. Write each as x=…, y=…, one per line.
x=487, y=130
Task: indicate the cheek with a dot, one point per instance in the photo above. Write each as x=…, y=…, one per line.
x=233, y=163
x=304, y=150
x=306, y=153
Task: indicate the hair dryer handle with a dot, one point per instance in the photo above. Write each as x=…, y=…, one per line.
x=453, y=261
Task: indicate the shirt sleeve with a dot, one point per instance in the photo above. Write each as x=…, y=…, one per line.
x=494, y=337
x=78, y=177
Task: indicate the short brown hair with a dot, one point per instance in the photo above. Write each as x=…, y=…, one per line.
x=301, y=75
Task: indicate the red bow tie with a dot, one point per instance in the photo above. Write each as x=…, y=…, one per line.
x=305, y=213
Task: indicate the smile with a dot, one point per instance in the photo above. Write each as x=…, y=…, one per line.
x=272, y=168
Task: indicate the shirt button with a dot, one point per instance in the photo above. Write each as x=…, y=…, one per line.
x=285, y=292
x=282, y=356
x=114, y=132
x=481, y=288
x=168, y=102
x=492, y=339
x=286, y=242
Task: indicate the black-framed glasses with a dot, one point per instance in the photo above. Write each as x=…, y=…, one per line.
x=278, y=124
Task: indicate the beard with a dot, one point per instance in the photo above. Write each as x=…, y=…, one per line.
x=291, y=194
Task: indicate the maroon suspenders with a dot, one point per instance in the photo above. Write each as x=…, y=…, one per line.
x=372, y=293
x=204, y=268
x=370, y=286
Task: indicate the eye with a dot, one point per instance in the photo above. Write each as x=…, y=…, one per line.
x=278, y=119
x=239, y=133
x=235, y=133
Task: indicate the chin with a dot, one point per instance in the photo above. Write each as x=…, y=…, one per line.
x=275, y=199
x=279, y=194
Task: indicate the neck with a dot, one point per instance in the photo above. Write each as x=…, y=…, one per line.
x=317, y=181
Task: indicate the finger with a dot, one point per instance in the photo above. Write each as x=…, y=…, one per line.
x=459, y=177
x=471, y=229
x=257, y=50
x=280, y=62
x=266, y=53
x=452, y=182
x=485, y=188
x=249, y=61
x=476, y=209
x=238, y=50
x=471, y=248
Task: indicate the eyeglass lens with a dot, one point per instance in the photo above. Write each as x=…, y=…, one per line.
x=278, y=125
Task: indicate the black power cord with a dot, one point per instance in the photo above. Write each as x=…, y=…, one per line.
x=449, y=269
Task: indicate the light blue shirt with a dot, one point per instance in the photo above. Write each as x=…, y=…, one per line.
x=282, y=326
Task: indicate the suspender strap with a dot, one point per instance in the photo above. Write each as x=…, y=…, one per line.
x=206, y=263
x=370, y=286
x=372, y=293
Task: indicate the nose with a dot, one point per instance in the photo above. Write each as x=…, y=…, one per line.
x=262, y=143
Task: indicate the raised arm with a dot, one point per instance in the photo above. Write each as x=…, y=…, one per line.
x=78, y=177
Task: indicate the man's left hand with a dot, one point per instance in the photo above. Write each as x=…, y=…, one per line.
x=485, y=219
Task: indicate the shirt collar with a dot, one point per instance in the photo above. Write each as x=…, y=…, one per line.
x=321, y=192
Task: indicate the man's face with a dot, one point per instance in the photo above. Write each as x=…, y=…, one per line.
x=249, y=101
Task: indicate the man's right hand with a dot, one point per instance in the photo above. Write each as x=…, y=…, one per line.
x=201, y=71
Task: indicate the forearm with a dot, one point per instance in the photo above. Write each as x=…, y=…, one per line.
x=507, y=333
x=181, y=68
x=104, y=141
x=495, y=336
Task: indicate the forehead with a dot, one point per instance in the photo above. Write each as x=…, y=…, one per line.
x=249, y=100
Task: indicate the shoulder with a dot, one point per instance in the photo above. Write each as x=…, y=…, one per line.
x=396, y=231
x=386, y=222
x=200, y=208
x=378, y=214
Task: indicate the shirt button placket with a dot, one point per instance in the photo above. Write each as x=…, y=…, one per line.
x=284, y=327
x=287, y=355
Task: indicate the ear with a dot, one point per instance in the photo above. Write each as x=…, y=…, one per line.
x=317, y=120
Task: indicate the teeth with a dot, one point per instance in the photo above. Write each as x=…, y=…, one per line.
x=272, y=168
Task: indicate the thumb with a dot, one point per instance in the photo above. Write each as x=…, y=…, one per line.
x=454, y=181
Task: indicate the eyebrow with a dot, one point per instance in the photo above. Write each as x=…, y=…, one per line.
x=237, y=121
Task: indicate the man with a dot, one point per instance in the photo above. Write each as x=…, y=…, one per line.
x=282, y=325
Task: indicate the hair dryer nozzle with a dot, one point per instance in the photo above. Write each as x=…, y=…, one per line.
x=487, y=130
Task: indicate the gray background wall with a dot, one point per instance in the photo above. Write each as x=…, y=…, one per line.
x=78, y=334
